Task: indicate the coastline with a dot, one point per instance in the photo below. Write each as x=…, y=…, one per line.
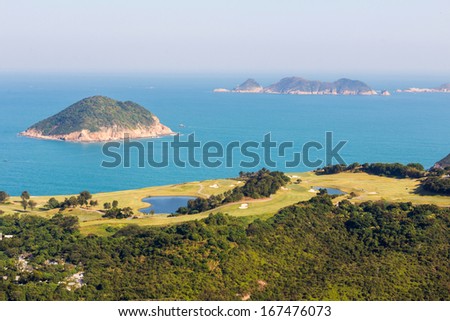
x=364, y=186
x=55, y=139
x=109, y=134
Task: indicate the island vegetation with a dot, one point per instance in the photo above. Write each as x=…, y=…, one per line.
x=99, y=118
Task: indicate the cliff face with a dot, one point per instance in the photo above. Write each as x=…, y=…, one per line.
x=99, y=119
x=301, y=86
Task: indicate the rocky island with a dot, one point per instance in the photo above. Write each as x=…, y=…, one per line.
x=248, y=86
x=445, y=88
x=97, y=119
x=301, y=86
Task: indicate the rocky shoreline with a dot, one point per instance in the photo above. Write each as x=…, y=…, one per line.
x=105, y=133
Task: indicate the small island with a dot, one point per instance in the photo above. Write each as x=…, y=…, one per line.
x=99, y=118
x=445, y=88
x=301, y=86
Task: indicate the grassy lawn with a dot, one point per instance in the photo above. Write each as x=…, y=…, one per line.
x=366, y=187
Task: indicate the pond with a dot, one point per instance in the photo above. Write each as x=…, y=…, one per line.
x=165, y=204
x=331, y=191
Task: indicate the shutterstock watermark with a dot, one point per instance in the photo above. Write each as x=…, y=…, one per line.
x=185, y=151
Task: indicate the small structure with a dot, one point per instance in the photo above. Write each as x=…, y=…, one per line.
x=6, y=236
x=75, y=281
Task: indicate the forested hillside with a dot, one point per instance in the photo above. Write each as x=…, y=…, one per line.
x=313, y=250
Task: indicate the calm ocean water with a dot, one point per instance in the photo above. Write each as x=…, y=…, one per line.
x=400, y=128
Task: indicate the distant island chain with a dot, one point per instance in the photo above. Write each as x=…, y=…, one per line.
x=301, y=86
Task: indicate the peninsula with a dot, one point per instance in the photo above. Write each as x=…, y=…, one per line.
x=301, y=86
x=99, y=118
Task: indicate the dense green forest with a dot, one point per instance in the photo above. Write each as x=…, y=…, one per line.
x=312, y=250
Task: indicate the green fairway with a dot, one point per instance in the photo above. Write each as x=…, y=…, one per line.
x=365, y=187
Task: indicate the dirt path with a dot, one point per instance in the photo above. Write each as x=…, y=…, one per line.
x=200, y=191
x=88, y=210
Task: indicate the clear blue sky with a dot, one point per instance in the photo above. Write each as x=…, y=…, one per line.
x=258, y=36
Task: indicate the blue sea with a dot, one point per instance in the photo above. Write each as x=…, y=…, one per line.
x=399, y=128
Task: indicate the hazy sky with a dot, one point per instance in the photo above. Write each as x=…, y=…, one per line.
x=292, y=36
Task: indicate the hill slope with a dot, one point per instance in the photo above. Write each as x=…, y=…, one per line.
x=443, y=163
x=311, y=250
x=99, y=118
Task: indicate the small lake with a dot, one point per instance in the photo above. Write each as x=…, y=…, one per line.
x=331, y=191
x=165, y=204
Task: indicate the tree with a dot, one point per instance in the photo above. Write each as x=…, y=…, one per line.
x=3, y=196
x=127, y=211
x=84, y=197
x=25, y=196
x=107, y=206
x=73, y=201
x=24, y=204
x=93, y=203
x=32, y=204
x=115, y=204
x=53, y=203
x=119, y=213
